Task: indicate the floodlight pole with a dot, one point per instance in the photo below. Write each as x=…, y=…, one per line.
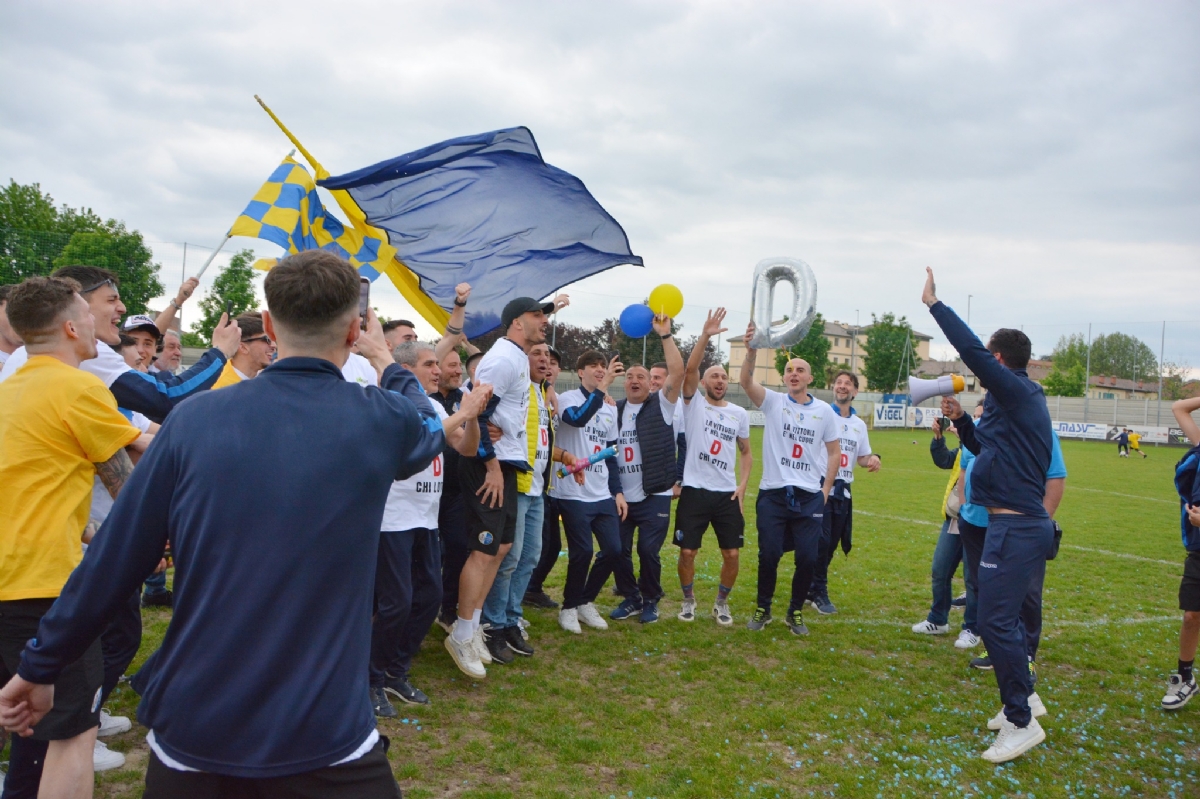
x=1162, y=348
x=1087, y=374
x=183, y=276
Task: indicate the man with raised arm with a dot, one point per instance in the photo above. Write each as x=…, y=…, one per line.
x=151, y=395
x=300, y=549
x=1181, y=686
x=838, y=523
x=1015, y=445
x=59, y=429
x=646, y=454
x=711, y=495
x=801, y=457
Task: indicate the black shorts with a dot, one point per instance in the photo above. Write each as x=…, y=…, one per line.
x=1189, y=586
x=369, y=777
x=77, y=690
x=487, y=527
x=698, y=508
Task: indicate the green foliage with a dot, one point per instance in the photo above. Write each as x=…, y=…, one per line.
x=814, y=348
x=1120, y=355
x=122, y=252
x=36, y=238
x=1070, y=351
x=1062, y=382
x=886, y=341
x=191, y=339
x=234, y=284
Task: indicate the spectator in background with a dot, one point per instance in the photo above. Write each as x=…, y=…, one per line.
x=170, y=354
x=145, y=335
x=535, y=592
x=473, y=360
x=59, y=428
x=452, y=523
x=9, y=340
x=1181, y=686
x=128, y=350
x=254, y=353
x=399, y=331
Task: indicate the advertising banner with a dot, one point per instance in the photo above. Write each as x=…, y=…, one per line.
x=923, y=417
x=1096, y=431
x=887, y=415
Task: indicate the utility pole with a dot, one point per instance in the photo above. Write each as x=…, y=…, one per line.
x=1087, y=373
x=1162, y=348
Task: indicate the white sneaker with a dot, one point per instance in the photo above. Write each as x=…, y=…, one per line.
x=687, y=611
x=929, y=628
x=1036, y=707
x=523, y=626
x=966, y=640
x=112, y=725
x=105, y=759
x=591, y=617
x=721, y=613
x=1013, y=741
x=568, y=619
x=465, y=657
x=1178, y=692
x=480, y=646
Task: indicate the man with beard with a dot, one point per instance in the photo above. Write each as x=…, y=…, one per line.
x=839, y=511
x=710, y=494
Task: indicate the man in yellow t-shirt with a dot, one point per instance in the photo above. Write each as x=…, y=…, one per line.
x=253, y=355
x=1134, y=440
x=59, y=428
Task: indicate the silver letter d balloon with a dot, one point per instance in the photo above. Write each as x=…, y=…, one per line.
x=767, y=275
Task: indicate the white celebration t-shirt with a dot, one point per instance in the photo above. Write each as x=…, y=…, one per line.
x=413, y=502
x=506, y=368
x=583, y=442
x=629, y=451
x=108, y=365
x=852, y=434
x=794, y=440
x=358, y=369
x=712, y=432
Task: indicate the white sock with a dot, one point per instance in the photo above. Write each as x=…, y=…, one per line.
x=475, y=619
x=462, y=630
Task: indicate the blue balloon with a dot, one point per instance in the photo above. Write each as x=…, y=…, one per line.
x=637, y=321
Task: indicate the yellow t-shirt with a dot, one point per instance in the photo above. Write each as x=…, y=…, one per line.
x=1134, y=438
x=228, y=377
x=55, y=423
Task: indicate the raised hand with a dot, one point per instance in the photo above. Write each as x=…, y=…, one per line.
x=615, y=369
x=712, y=325
x=750, y=329
x=929, y=294
x=462, y=291
x=227, y=336
x=561, y=301
x=662, y=325
x=474, y=403
x=186, y=290
x=373, y=346
x=951, y=407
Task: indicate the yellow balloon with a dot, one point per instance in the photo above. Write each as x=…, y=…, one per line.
x=666, y=300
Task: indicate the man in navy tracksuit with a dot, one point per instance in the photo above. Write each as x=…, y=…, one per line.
x=294, y=717
x=1009, y=479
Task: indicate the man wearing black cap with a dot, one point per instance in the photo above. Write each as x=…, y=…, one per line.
x=144, y=332
x=489, y=482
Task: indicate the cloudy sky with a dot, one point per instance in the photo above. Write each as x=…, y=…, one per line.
x=1042, y=157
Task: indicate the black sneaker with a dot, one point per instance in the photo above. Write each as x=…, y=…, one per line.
x=959, y=601
x=380, y=704
x=516, y=641
x=823, y=605
x=164, y=599
x=497, y=646
x=446, y=618
x=983, y=663
x=403, y=690
x=540, y=599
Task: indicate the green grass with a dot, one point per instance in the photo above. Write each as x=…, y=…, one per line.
x=860, y=708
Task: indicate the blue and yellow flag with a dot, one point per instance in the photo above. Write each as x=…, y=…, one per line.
x=288, y=212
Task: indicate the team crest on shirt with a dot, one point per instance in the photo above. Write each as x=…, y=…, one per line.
x=485, y=538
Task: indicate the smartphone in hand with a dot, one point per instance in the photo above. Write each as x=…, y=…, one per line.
x=364, y=300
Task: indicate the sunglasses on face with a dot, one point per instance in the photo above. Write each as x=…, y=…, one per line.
x=101, y=284
x=256, y=338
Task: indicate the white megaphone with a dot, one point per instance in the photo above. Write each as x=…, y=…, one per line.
x=943, y=386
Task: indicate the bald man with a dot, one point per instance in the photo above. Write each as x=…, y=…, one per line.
x=801, y=456
x=717, y=433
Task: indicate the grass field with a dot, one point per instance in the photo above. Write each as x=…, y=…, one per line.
x=860, y=708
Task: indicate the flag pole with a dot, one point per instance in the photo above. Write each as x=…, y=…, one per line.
x=320, y=170
x=224, y=241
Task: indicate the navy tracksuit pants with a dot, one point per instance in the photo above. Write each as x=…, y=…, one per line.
x=119, y=643
x=1012, y=566
x=452, y=529
x=651, y=518
x=580, y=521
x=835, y=526
x=788, y=518
x=1031, y=609
x=408, y=593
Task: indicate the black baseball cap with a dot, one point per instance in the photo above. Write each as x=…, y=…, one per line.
x=523, y=305
x=557, y=355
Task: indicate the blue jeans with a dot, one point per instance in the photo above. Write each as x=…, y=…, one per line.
x=156, y=584
x=497, y=607
x=946, y=557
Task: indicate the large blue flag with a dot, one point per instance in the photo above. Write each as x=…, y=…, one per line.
x=487, y=210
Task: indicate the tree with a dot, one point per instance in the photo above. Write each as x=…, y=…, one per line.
x=233, y=286
x=887, y=339
x=1068, y=382
x=123, y=253
x=1121, y=355
x=814, y=348
x=36, y=238
x=1070, y=351
x=1175, y=383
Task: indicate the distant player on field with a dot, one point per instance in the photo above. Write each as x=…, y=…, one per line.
x=1134, y=440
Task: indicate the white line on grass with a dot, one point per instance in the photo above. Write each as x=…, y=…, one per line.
x=1100, y=622
x=1119, y=494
